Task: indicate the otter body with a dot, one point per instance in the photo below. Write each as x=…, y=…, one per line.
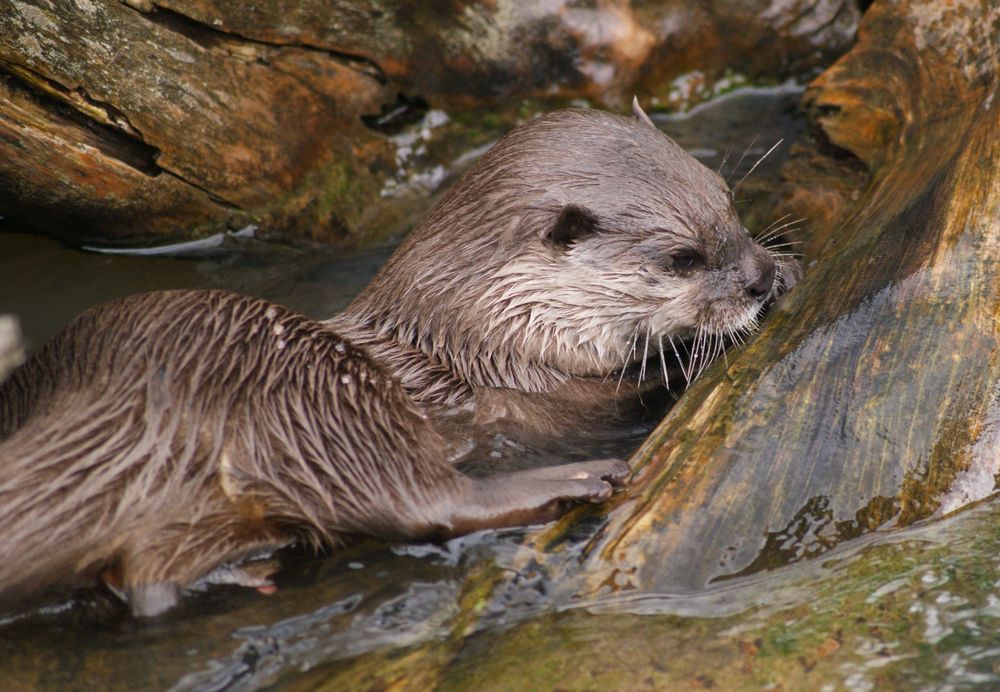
x=160, y=436
x=163, y=435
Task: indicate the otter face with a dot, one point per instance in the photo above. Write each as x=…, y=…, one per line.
x=644, y=250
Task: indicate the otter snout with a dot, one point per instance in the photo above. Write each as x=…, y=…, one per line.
x=764, y=267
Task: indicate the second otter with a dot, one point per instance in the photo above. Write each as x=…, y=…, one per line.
x=160, y=436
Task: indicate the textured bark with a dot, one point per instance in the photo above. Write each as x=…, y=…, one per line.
x=121, y=124
x=149, y=119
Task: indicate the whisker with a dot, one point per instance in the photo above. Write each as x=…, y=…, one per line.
x=785, y=221
x=698, y=352
x=784, y=243
x=754, y=167
x=772, y=232
x=737, y=166
x=725, y=157
x=663, y=362
x=771, y=225
x=710, y=354
x=680, y=361
x=645, y=351
x=635, y=338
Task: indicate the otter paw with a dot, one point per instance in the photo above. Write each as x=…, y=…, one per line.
x=153, y=598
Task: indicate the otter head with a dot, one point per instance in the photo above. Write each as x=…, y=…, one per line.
x=578, y=243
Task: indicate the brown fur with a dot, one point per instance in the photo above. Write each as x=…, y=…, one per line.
x=188, y=379
x=478, y=301
x=160, y=436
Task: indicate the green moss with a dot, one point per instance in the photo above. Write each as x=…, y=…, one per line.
x=870, y=613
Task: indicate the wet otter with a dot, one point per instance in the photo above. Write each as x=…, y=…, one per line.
x=160, y=436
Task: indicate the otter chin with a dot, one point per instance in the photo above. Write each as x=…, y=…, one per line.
x=159, y=437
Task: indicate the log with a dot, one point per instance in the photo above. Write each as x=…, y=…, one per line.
x=152, y=121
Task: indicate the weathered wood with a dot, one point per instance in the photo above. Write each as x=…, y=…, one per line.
x=137, y=125
x=871, y=397
x=144, y=120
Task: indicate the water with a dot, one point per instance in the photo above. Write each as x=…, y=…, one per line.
x=917, y=606
x=46, y=283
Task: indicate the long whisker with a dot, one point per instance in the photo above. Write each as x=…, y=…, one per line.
x=708, y=352
x=635, y=338
x=789, y=243
x=754, y=167
x=645, y=351
x=737, y=166
x=771, y=225
x=711, y=352
x=771, y=232
x=680, y=361
x=663, y=362
x=725, y=157
x=698, y=353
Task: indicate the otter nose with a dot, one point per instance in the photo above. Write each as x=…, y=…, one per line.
x=759, y=289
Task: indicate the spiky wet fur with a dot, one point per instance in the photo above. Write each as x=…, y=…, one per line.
x=201, y=428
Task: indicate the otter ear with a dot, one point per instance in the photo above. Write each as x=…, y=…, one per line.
x=572, y=224
x=640, y=114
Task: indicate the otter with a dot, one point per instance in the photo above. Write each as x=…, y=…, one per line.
x=161, y=436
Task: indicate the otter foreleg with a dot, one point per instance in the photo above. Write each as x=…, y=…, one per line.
x=531, y=497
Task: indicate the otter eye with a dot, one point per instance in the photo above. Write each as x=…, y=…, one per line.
x=687, y=259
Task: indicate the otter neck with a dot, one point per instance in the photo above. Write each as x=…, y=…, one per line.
x=428, y=381
x=428, y=374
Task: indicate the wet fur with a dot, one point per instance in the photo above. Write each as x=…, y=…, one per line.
x=203, y=427
x=492, y=303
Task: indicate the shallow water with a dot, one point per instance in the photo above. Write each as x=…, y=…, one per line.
x=930, y=588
